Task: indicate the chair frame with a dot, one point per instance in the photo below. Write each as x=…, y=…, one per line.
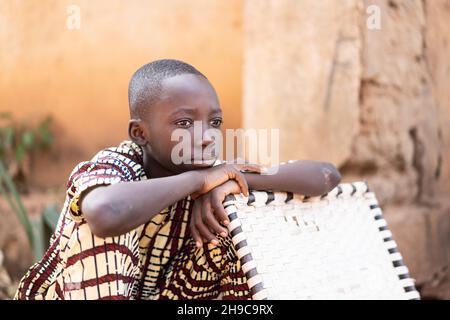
x=244, y=251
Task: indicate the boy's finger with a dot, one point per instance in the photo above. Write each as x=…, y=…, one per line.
x=194, y=232
x=250, y=167
x=215, y=225
x=210, y=220
x=219, y=210
x=205, y=209
x=196, y=236
x=204, y=232
x=240, y=179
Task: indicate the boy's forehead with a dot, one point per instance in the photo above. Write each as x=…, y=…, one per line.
x=188, y=91
x=187, y=86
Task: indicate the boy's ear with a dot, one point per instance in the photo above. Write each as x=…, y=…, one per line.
x=136, y=131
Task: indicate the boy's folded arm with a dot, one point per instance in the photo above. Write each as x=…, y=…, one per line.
x=310, y=178
x=119, y=208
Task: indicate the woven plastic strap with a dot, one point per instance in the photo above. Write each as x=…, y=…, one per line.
x=336, y=246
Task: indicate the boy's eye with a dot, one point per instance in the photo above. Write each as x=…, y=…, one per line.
x=184, y=123
x=216, y=122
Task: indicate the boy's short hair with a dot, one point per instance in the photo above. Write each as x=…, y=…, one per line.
x=146, y=83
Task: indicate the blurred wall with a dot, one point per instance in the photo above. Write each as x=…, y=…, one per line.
x=375, y=102
x=80, y=76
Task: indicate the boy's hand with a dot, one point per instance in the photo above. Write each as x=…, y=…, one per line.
x=217, y=175
x=208, y=212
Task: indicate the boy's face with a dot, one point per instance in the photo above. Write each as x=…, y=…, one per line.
x=184, y=99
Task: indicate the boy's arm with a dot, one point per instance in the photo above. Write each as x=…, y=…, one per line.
x=118, y=208
x=310, y=178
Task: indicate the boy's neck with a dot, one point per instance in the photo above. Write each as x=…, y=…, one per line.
x=153, y=169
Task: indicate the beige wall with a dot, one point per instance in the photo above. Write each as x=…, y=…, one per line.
x=80, y=77
x=302, y=67
x=374, y=102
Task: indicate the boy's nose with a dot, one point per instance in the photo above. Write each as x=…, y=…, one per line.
x=201, y=145
x=205, y=140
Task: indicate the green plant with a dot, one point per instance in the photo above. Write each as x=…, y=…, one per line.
x=19, y=139
x=38, y=230
x=9, y=191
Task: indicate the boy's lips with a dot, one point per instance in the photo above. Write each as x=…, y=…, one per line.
x=203, y=161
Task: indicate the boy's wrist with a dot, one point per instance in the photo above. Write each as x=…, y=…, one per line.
x=196, y=179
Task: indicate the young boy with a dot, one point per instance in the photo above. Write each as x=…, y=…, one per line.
x=130, y=227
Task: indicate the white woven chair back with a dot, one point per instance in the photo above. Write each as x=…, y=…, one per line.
x=336, y=246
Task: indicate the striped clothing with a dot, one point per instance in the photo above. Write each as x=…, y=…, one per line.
x=157, y=260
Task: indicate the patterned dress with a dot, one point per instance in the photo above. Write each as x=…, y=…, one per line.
x=157, y=260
